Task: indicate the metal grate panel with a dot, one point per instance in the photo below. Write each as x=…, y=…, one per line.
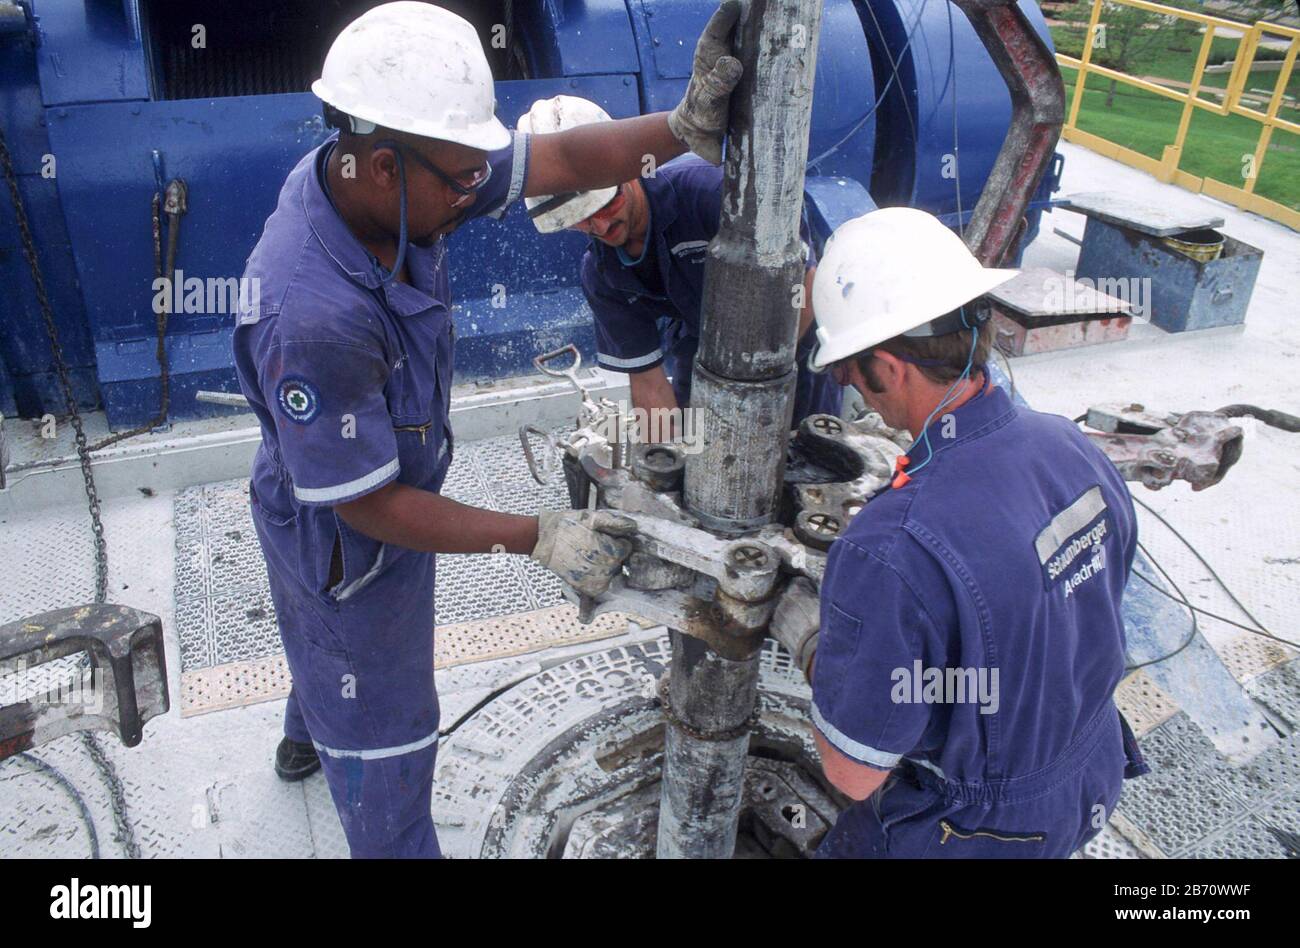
x=1145, y=704
x=223, y=608
x=235, y=684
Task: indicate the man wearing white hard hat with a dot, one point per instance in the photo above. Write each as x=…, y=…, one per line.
x=643, y=272
x=347, y=362
x=968, y=638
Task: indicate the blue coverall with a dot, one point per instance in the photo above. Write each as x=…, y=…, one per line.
x=971, y=641
x=648, y=310
x=350, y=379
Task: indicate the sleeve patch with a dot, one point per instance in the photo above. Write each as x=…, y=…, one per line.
x=299, y=399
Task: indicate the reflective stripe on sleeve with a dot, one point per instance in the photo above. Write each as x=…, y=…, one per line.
x=847, y=745
x=518, y=172
x=319, y=495
x=612, y=363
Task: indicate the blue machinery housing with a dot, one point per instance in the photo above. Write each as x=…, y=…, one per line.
x=105, y=101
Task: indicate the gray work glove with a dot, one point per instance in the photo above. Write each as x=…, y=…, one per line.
x=795, y=621
x=700, y=119
x=585, y=548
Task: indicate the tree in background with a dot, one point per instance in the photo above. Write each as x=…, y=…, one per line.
x=1126, y=36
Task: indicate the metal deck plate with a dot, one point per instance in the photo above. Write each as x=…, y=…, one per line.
x=238, y=684
x=1045, y=295
x=1145, y=704
x=1194, y=803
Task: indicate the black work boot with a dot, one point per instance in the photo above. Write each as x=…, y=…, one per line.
x=294, y=761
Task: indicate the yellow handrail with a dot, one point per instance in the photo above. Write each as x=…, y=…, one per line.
x=1167, y=167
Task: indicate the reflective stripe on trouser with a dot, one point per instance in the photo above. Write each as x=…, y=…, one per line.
x=363, y=693
x=913, y=817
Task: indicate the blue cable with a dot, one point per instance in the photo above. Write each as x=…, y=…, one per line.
x=948, y=397
x=893, y=63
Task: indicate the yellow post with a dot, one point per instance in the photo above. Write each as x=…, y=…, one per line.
x=1241, y=67
x=1173, y=153
x=1266, y=133
x=1084, y=59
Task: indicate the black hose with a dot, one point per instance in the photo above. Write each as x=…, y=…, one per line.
x=1269, y=416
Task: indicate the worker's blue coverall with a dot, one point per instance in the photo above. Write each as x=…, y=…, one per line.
x=648, y=310
x=1003, y=559
x=350, y=379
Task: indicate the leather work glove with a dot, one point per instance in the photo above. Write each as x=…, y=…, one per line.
x=585, y=548
x=700, y=119
x=795, y=621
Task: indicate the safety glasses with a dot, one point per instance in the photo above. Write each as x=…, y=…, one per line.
x=476, y=181
x=610, y=209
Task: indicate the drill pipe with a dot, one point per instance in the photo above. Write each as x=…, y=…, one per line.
x=743, y=386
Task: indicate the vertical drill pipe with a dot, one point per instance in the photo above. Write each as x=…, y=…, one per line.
x=742, y=386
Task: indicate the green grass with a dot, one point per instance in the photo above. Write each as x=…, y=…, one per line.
x=1159, y=60
x=1215, y=144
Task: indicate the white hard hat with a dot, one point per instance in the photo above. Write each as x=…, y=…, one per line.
x=889, y=273
x=415, y=68
x=555, y=212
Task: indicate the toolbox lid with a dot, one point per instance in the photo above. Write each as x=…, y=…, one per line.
x=1145, y=218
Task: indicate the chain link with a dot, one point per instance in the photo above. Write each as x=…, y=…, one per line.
x=61, y=366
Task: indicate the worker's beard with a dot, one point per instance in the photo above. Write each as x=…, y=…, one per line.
x=432, y=237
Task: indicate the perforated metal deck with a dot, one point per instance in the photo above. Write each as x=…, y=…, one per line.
x=223, y=606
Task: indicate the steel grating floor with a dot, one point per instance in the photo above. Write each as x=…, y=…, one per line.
x=223, y=606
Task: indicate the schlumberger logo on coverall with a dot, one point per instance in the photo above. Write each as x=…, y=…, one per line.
x=1068, y=555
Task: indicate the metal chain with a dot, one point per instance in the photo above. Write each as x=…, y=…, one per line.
x=116, y=792
x=175, y=205
x=65, y=380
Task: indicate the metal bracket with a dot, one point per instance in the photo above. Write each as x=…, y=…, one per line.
x=1199, y=447
x=1030, y=72
x=123, y=685
x=719, y=589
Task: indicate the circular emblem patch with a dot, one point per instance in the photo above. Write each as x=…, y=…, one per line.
x=299, y=400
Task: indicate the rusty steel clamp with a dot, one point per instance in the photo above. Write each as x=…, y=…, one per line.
x=1199, y=447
